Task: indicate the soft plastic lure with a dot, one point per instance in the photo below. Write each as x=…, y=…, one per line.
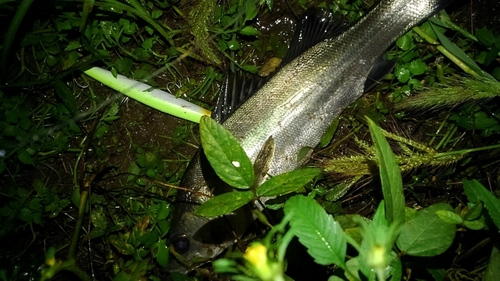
x=144, y=93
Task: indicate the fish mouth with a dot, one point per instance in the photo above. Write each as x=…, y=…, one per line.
x=202, y=240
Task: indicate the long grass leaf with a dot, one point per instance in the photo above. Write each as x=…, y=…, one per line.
x=390, y=175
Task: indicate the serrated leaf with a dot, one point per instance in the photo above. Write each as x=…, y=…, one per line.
x=449, y=217
x=225, y=155
x=224, y=203
x=476, y=192
x=403, y=74
x=390, y=176
x=162, y=252
x=287, y=182
x=492, y=272
x=426, y=234
x=417, y=67
x=322, y=236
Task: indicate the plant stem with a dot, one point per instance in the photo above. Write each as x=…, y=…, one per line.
x=79, y=222
x=11, y=33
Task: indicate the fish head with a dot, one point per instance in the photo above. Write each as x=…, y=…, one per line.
x=197, y=239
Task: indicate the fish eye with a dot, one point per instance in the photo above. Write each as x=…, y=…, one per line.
x=181, y=244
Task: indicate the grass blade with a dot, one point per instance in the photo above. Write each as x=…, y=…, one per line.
x=390, y=176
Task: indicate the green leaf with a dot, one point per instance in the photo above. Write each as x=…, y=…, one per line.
x=449, y=217
x=224, y=203
x=123, y=247
x=163, y=210
x=322, y=236
x=161, y=252
x=417, y=67
x=24, y=156
x=476, y=192
x=326, y=138
x=390, y=176
x=403, y=74
x=405, y=42
x=456, y=51
x=474, y=225
x=287, y=182
x=233, y=45
x=492, y=272
x=156, y=14
x=438, y=274
x=474, y=212
x=66, y=95
x=133, y=271
x=251, y=10
x=426, y=234
x=485, y=36
x=225, y=155
x=249, y=31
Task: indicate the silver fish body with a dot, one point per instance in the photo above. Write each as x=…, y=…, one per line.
x=299, y=102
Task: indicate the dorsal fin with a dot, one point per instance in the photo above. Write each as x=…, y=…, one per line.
x=315, y=26
x=235, y=90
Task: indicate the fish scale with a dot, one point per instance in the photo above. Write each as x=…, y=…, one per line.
x=294, y=108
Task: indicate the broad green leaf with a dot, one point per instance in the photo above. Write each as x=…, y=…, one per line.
x=224, y=203
x=161, y=252
x=405, y=42
x=251, y=9
x=476, y=192
x=225, y=155
x=233, y=45
x=449, y=217
x=492, y=272
x=133, y=271
x=417, y=67
x=403, y=74
x=123, y=247
x=316, y=230
x=390, y=176
x=437, y=274
x=426, y=234
x=287, y=182
x=485, y=36
x=24, y=156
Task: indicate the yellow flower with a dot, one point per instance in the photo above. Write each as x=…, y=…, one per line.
x=256, y=257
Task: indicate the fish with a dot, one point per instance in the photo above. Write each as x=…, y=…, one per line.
x=329, y=66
